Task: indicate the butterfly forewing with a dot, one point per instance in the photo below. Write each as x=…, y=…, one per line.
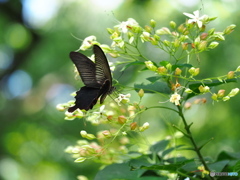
x=86, y=69
x=103, y=72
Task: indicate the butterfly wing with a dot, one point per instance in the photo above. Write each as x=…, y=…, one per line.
x=86, y=69
x=86, y=98
x=103, y=73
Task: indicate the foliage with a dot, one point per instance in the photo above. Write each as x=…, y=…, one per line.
x=176, y=79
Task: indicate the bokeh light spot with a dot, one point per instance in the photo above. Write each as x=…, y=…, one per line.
x=19, y=83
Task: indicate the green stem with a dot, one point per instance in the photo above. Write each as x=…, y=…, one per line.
x=189, y=135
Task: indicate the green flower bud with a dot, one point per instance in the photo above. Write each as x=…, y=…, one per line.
x=176, y=43
x=213, y=45
x=238, y=69
x=189, y=91
x=233, y=92
x=229, y=29
x=156, y=37
x=144, y=127
x=202, y=46
x=173, y=24
x=194, y=71
x=148, y=28
x=166, y=43
x=215, y=97
x=150, y=65
x=226, y=98
x=110, y=31
x=152, y=23
x=230, y=75
x=211, y=31
x=204, y=89
x=141, y=93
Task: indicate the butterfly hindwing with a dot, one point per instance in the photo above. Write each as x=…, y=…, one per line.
x=86, y=98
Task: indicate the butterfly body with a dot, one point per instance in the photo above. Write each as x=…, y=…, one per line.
x=96, y=77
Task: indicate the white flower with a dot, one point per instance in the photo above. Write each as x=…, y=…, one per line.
x=123, y=26
x=195, y=18
x=87, y=43
x=123, y=98
x=175, y=98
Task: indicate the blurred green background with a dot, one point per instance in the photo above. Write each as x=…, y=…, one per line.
x=36, y=74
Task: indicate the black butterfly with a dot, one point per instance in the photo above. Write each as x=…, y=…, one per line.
x=96, y=77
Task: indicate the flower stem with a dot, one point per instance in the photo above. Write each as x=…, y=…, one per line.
x=189, y=135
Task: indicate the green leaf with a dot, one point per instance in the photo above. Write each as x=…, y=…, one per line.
x=228, y=156
x=116, y=171
x=159, y=146
x=164, y=63
x=167, y=151
x=218, y=166
x=153, y=79
x=181, y=66
x=132, y=64
x=160, y=87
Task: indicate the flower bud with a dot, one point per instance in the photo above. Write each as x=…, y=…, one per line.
x=233, y=92
x=185, y=46
x=173, y=24
x=133, y=125
x=141, y=93
x=230, y=75
x=163, y=31
x=169, y=66
x=214, y=97
x=150, y=65
x=148, y=28
x=194, y=71
x=202, y=45
x=107, y=134
x=144, y=127
x=204, y=89
x=238, y=69
x=229, y=29
x=181, y=28
x=156, y=37
x=203, y=36
x=187, y=105
x=166, y=43
x=213, y=45
x=220, y=93
x=189, y=91
x=211, y=31
x=60, y=107
x=162, y=70
x=84, y=134
x=110, y=31
x=176, y=43
x=152, y=23
x=226, y=98
x=122, y=119
x=178, y=71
